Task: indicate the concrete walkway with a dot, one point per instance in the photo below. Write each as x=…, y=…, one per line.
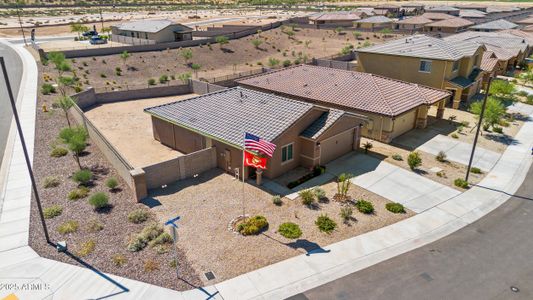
x=20, y=264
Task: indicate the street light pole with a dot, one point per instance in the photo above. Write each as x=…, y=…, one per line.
x=478, y=128
x=25, y=150
x=20, y=24
x=174, y=226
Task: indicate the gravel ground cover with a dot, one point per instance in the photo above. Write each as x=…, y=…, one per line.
x=207, y=204
x=146, y=265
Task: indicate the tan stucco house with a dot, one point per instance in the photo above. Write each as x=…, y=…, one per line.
x=304, y=134
x=374, y=23
x=496, y=25
x=413, y=23
x=336, y=18
x=452, y=25
x=434, y=62
x=150, y=32
x=392, y=107
x=450, y=10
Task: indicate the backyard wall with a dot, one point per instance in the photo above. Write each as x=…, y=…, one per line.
x=202, y=87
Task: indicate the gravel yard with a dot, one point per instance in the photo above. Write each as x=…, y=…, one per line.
x=129, y=129
x=207, y=204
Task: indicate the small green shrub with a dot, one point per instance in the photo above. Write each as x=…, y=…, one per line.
x=308, y=198
x=396, y=208
x=99, y=200
x=397, y=157
x=290, y=230
x=47, y=89
x=319, y=193
x=441, y=156
x=163, y=238
x=78, y=193
x=459, y=182
x=138, y=216
x=52, y=211
x=253, y=225
x=325, y=224
x=454, y=135
x=86, y=248
x=151, y=81
x=119, y=260
x=476, y=170
x=136, y=244
x=364, y=206
x=163, y=78
x=51, y=181
x=346, y=213
x=497, y=129
x=277, y=200
x=151, y=231
x=287, y=63
x=414, y=160
x=58, y=152
x=83, y=177
x=94, y=225
x=151, y=265
x=441, y=174
x=70, y=226
x=111, y=183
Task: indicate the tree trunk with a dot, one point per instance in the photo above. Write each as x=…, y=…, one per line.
x=77, y=158
x=68, y=120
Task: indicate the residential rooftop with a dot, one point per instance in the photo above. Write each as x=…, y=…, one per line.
x=437, y=16
x=472, y=13
x=488, y=61
x=417, y=20
x=442, y=8
x=504, y=45
x=347, y=89
x=336, y=16
x=150, y=26
x=375, y=19
x=500, y=24
x=424, y=46
x=455, y=22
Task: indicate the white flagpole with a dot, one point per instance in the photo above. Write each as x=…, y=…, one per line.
x=243, y=150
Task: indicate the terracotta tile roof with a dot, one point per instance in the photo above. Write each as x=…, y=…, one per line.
x=452, y=23
x=472, y=13
x=346, y=89
x=415, y=20
x=525, y=21
x=424, y=46
x=504, y=45
x=528, y=28
x=437, y=16
x=442, y=8
x=500, y=24
x=322, y=123
x=340, y=16
x=488, y=61
x=375, y=19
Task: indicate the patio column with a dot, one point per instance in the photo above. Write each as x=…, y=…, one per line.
x=422, y=117
x=440, y=110
x=259, y=177
x=457, y=99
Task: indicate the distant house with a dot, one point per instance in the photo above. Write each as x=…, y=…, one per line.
x=528, y=28
x=387, y=10
x=421, y=59
x=498, y=9
x=452, y=25
x=151, y=32
x=444, y=9
x=304, y=134
x=526, y=21
x=413, y=23
x=491, y=66
x=412, y=8
x=436, y=16
x=477, y=7
x=336, y=18
x=374, y=22
x=496, y=25
x=472, y=14
x=391, y=106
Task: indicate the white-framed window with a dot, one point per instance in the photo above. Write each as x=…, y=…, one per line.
x=425, y=66
x=455, y=66
x=287, y=153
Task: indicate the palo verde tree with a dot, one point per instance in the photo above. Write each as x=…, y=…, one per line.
x=221, y=40
x=187, y=55
x=502, y=88
x=63, y=82
x=494, y=111
x=65, y=103
x=76, y=140
x=124, y=56
x=256, y=43
x=184, y=77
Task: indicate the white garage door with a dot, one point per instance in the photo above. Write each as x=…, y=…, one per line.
x=336, y=146
x=404, y=123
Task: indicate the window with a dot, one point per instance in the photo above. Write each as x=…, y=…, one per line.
x=455, y=66
x=425, y=66
x=286, y=153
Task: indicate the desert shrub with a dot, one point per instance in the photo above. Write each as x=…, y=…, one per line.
x=414, y=160
x=343, y=185
x=58, y=152
x=454, y=135
x=173, y=263
x=290, y=230
x=111, y=183
x=475, y=170
x=86, y=248
x=287, y=63
x=441, y=156
x=346, y=213
x=253, y=225
x=459, y=182
x=497, y=129
x=150, y=232
x=367, y=146
x=325, y=224
x=397, y=157
x=307, y=197
x=78, y=193
x=52, y=211
x=102, y=75
x=396, y=208
x=82, y=177
x=319, y=193
x=99, y=200
x=151, y=81
x=94, y=225
x=162, y=249
x=163, y=238
x=441, y=174
x=163, y=78
x=68, y=227
x=119, y=260
x=277, y=200
x=47, y=89
x=51, y=181
x=138, y=216
x=151, y=265
x=522, y=93
x=364, y=206
x=136, y=243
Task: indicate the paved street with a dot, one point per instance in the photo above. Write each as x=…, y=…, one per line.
x=480, y=261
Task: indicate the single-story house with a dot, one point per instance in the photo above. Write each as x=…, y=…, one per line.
x=392, y=107
x=528, y=28
x=151, y=32
x=413, y=23
x=452, y=25
x=437, y=16
x=369, y=11
x=472, y=14
x=526, y=21
x=304, y=134
x=444, y=9
x=337, y=18
x=374, y=22
x=387, y=10
x=412, y=8
x=478, y=7
x=496, y=25
x=498, y=9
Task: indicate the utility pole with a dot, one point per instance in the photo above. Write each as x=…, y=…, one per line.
x=101, y=17
x=478, y=128
x=25, y=150
x=20, y=23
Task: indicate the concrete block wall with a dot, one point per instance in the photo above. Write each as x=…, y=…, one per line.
x=85, y=99
x=149, y=92
x=202, y=87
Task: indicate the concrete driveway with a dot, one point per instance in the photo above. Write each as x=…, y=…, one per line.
x=394, y=183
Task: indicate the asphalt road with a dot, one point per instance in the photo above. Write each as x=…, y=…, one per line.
x=484, y=260
x=14, y=70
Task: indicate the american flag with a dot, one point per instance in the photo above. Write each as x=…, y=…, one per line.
x=255, y=143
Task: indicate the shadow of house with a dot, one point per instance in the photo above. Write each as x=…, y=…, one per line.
x=417, y=137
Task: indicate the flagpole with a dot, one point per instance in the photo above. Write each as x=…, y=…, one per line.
x=243, y=149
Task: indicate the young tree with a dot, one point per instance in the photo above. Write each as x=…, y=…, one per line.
x=63, y=82
x=494, y=111
x=187, y=55
x=414, y=160
x=256, y=43
x=222, y=40
x=76, y=140
x=65, y=103
x=357, y=35
x=184, y=77
x=502, y=88
x=343, y=184
x=273, y=62
x=76, y=27
x=196, y=67
x=124, y=56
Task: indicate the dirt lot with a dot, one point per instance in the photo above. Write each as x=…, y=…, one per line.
x=75, y=45
x=129, y=129
x=208, y=203
x=215, y=60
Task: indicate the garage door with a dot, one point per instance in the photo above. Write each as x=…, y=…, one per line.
x=336, y=146
x=404, y=123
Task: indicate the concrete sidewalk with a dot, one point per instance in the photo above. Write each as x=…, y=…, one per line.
x=20, y=264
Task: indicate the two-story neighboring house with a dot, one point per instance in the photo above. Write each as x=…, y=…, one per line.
x=454, y=66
